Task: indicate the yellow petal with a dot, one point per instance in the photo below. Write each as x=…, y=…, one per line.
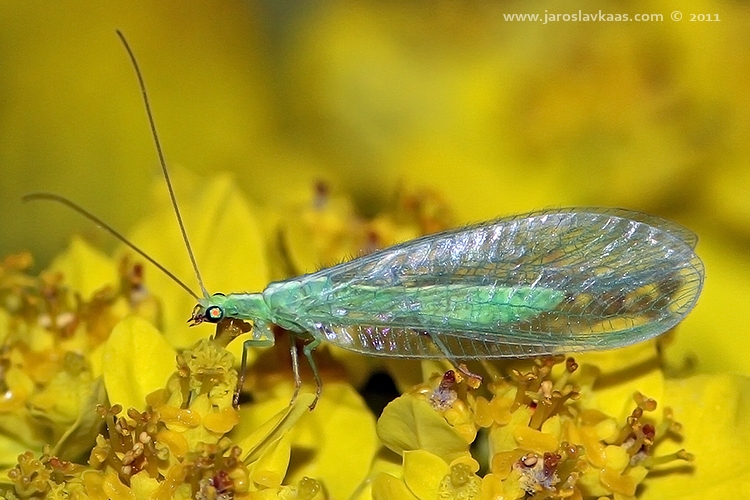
x=114, y=489
x=387, y=487
x=85, y=268
x=79, y=438
x=175, y=441
x=18, y=388
x=341, y=426
x=622, y=372
x=253, y=438
x=137, y=360
x=143, y=485
x=492, y=488
x=410, y=423
x=320, y=236
x=388, y=463
x=617, y=458
x=61, y=399
x=501, y=437
x=713, y=411
x=721, y=313
x=270, y=468
x=423, y=472
x=222, y=421
x=534, y=440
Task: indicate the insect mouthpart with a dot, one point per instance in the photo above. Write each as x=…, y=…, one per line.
x=198, y=316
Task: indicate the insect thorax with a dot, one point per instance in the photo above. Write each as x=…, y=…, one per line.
x=244, y=306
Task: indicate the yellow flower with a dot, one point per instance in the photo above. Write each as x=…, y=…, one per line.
x=541, y=439
x=50, y=388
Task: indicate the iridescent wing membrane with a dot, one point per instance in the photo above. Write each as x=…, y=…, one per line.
x=541, y=283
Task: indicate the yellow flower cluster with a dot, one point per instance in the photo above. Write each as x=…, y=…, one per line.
x=178, y=447
x=99, y=404
x=540, y=441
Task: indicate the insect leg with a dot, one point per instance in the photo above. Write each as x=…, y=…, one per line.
x=474, y=379
x=295, y=367
x=262, y=337
x=308, y=349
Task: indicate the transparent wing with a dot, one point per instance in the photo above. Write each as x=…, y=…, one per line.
x=403, y=342
x=544, y=282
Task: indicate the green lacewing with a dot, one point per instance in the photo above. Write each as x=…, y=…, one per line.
x=542, y=283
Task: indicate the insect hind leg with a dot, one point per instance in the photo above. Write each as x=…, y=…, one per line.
x=308, y=350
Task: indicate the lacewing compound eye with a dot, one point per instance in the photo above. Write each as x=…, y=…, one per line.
x=214, y=314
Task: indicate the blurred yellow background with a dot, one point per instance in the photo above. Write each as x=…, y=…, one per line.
x=497, y=116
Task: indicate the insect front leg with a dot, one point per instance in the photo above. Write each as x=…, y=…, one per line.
x=262, y=337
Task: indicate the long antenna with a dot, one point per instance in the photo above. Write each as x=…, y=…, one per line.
x=163, y=164
x=96, y=220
